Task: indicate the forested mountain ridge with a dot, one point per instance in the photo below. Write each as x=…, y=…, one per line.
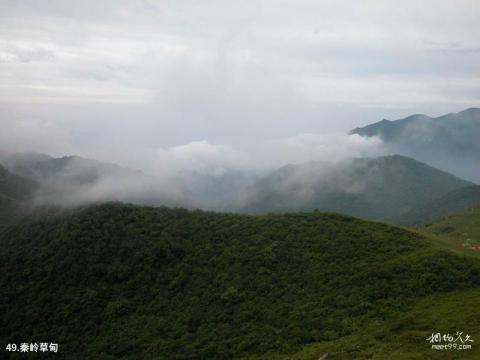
x=448, y=142
x=383, y=188
x=389, y=188
x=15, y=187
x=451, y=203
x=452, y=124
x=15, y=192
x=121, y=281
x=66, y=171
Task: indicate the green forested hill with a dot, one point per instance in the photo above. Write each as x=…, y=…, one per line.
x=15, y=187
x=454, y=201
x=119, y=281
x=384, y=188
x=460, y=231
x=14, y=191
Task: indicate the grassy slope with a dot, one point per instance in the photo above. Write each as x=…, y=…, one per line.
x=452, y=231
x=118, y=281
x=403, y=336
x=455, y=201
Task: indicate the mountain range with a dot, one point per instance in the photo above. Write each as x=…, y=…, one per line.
x=384, y=188
x=394, y=188
x=452, y=202
x=64, y=172
x=119, y=281
x=449, y=142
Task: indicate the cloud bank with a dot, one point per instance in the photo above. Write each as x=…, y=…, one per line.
x=187, y=88
x=158, y=74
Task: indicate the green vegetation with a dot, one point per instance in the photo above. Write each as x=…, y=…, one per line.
x=404, y=335
x=459, y=232
x=14, y=191
x=120, y=281
x=13, y=187
x=71, y=171
x=385, y=188
x=454, y=201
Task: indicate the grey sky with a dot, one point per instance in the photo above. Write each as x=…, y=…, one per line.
x=138, y=81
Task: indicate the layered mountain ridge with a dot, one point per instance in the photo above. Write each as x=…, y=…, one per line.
x=449, y=142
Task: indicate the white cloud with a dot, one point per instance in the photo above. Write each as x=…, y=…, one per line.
x=33, y=135
x=132, y=45
x=199, y=157
x=202, y=157
x=122, y=77
x=326, y=147
x=393, y=91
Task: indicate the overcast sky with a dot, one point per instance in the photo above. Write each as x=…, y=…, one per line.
x=135, y=81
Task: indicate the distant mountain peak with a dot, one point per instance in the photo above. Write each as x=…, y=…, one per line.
x=382, y=188
x=70, y=169
x=374, y=128
x=471, y=110
x=448, y=142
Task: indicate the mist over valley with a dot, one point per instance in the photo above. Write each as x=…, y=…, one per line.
x=255, y=180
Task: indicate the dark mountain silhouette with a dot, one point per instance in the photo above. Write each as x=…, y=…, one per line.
x=67, y=171
x=449, y=142
x=454, y=201
x=382, y=188
x=15, y=193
